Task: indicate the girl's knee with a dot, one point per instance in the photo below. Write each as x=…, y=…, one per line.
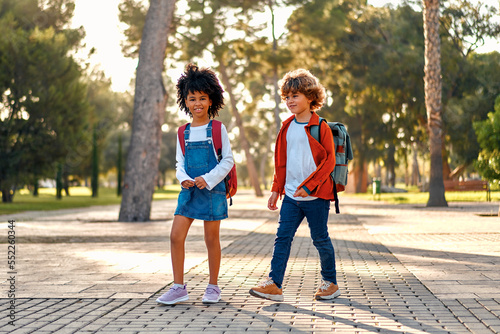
x=212, y=241
x=176, y=239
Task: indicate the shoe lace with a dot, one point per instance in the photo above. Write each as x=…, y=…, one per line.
x=266, y=282
x=324, y=285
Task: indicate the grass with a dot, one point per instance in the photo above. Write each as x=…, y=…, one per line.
x=413, y=196
x=80, y=197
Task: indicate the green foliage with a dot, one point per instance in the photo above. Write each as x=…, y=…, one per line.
x=42, y=102
x=132, y=13
x=370, y=60
x=488, y=136
x=470, y=80
x=371, y=63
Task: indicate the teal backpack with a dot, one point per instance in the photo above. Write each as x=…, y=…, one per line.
x=343, y=154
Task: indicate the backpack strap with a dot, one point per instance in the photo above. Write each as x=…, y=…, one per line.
x=181, y=135
x=217, y=138
x=216, y=128
x=315, y=130
x=213, y=130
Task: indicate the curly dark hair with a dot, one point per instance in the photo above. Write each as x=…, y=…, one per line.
x=304, y=82
x=203, y=80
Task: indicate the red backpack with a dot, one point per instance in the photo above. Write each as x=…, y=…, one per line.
x=231, y=181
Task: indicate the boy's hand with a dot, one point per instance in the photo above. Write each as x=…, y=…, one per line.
x=300, y=193
x=187, y=184
x=273, y=199
x=200, y=182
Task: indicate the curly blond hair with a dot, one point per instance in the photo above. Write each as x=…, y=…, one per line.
x=304, y=82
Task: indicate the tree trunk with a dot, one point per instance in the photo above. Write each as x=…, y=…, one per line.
x=149, y=107
x=119, y=171
x=432, y=88
x=415, y=174
x=94, y=180
x=360, y=174
x=445, y=156
x=252, y=170
x=59, y=183
x=277, y=97
x=7, y=194
x=458, y=171
x=35, y=186
x=391, y=166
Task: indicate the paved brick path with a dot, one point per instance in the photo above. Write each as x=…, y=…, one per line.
x=401, y=269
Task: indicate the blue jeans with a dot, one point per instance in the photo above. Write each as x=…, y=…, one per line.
x=291, y=215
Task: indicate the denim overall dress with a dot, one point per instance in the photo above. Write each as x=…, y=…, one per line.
x=203, y=204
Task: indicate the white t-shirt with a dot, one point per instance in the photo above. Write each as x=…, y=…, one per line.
x=216, y=175
x=299, y=159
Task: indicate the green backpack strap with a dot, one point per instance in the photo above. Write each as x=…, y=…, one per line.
x=315, y=129
x=315, y=135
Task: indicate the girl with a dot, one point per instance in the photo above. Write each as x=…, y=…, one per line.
x=201, y=176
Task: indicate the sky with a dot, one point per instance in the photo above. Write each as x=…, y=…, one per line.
x=104, y=32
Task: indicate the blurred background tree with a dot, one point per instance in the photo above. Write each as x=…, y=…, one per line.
x=370, y=59
x=43, y=106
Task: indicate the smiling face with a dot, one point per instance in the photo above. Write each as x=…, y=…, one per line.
x=298, y=104
x=198, y=104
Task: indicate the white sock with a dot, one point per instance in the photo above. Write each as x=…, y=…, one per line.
x=212, y=286
x=178, y=285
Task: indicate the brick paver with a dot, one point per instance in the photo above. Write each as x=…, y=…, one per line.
x=398, y=269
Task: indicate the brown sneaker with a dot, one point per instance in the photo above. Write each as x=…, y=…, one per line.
x=267, y=289
x=327, y=290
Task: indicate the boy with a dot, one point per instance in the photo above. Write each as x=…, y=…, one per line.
x=302, y=174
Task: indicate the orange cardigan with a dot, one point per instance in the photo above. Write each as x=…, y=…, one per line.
x=319, y=183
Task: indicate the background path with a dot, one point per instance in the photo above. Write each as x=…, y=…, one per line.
x=401, y=268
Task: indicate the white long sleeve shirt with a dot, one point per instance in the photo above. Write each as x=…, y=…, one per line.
x=216, y=175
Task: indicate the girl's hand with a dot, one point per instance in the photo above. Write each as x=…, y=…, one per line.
x=200, y=182
x=271, y=203
x=300, y=193
x=187, y=184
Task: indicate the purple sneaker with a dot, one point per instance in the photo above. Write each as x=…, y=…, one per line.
x=212, y=295
x=174, y=295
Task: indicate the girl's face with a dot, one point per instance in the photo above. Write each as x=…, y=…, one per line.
x=198, y=104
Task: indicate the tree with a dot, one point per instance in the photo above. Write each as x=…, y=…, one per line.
x=149, y=106
x=42, y=112
x=204, y=28
x=488, y=136
x=469, y=91
x=432, y=86
x=371, y=66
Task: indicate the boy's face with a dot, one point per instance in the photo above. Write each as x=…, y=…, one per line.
x=198, y=104
x=297, y=103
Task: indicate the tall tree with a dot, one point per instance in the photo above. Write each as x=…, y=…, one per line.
x=212, y=19
x=469, y=91
x=204, y=27
x=149, y=106
x=432, y=86
x=42, y=112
